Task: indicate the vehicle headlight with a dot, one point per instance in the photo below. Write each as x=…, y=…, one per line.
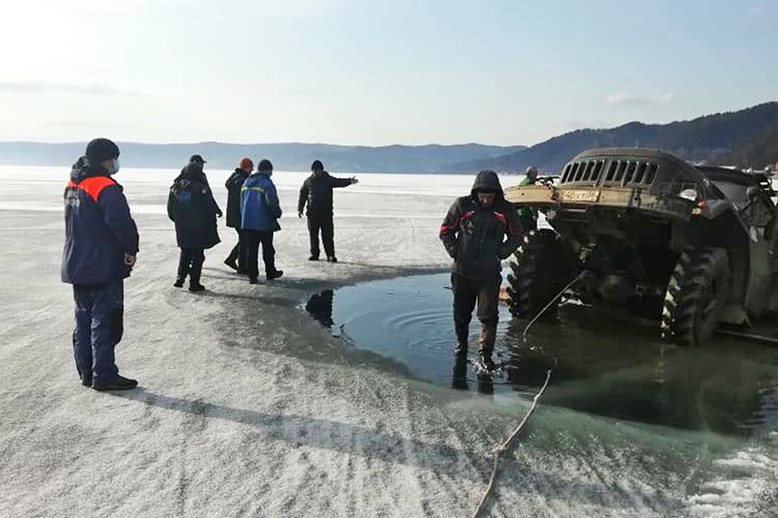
x=689, y=194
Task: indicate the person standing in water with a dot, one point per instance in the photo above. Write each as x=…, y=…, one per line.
x=317, y=193
x=479, y=231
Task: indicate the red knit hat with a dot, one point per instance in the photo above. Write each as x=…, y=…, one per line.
x=246, y=163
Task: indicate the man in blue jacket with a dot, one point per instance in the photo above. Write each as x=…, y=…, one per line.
x=101, y=243
x=260, y=210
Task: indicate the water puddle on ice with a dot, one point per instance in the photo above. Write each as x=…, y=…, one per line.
x=607, y=364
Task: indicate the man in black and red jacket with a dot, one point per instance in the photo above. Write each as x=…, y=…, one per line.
x=101, y=243
x=480, y=230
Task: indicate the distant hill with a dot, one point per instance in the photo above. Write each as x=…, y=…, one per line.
x=705, y=139
x=285, y=157
x=758, y=151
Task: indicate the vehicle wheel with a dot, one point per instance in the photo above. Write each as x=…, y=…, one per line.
x=696, y=295
x=538, y=274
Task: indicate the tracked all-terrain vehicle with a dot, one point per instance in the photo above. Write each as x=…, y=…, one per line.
x=694, y=246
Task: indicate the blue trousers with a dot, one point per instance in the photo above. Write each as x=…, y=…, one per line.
x=99, y=327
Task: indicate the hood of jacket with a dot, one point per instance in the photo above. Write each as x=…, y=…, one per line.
x=192, y=172
x=260, y=176
x=487, y=181
x=83, y=168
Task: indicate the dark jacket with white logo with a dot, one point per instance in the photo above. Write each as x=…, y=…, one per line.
x=478, y=238
x=192, y=207
x=99, y=229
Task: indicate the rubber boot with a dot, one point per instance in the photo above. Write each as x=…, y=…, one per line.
x=462, y=332
x=486, y=341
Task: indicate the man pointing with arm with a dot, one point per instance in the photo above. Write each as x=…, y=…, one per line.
x=317, y=193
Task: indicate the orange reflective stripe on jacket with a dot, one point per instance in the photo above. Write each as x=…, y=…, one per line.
x=93, y=185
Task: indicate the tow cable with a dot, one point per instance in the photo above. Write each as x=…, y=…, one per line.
x=503, y=447
x=570, y=285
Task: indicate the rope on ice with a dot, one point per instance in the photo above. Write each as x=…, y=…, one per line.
x=500, y=450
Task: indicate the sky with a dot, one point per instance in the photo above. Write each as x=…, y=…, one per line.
x=371, y=72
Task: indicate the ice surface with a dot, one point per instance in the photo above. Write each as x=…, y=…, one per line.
x=247, y=407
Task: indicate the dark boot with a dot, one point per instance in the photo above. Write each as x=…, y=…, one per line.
x=232, y=259
x=488, y=336
x=198, y=257
x=184, y=265
x=275, y=274
x=462, y=332
x=118, y=383
x=485, y=358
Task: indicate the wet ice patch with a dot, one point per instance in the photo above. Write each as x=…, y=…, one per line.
x=729, y=387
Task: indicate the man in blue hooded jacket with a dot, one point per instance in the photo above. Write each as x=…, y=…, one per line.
x=260, y=210
x=101, y=243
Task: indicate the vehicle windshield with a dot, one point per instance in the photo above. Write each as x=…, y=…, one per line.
x=735, y=192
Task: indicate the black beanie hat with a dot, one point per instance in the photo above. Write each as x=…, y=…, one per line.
x=317, y=166
x=101, y=149
x=265, y=165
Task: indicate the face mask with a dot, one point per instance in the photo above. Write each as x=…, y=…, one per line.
x=114, y=167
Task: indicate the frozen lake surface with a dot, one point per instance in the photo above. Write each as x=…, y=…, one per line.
x=250, y=407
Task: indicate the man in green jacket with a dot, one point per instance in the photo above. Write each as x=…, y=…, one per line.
x=529, y=215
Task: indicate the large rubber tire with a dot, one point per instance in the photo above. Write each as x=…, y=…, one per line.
x=696, y=295
x=537, y=276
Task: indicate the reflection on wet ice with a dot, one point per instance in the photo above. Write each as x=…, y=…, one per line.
x=607, y=364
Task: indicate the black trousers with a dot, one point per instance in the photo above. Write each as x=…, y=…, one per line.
x=321, y=222
x=238, y=253
x=252, y=239
x=468, y=292
x=190, y=262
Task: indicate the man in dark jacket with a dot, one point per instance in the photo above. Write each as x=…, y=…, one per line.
x=101, y=243
x=260, y=210
x=191, y=207
x=234, y=184
x=317, y=192
x=479, y=231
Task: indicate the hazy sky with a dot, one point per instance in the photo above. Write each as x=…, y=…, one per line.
x=374, y=72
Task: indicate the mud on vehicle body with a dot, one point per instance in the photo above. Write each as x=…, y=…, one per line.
x=691, y=245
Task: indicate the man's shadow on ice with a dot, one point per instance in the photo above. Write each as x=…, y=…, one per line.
x=393, y=449
x=323, y=433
